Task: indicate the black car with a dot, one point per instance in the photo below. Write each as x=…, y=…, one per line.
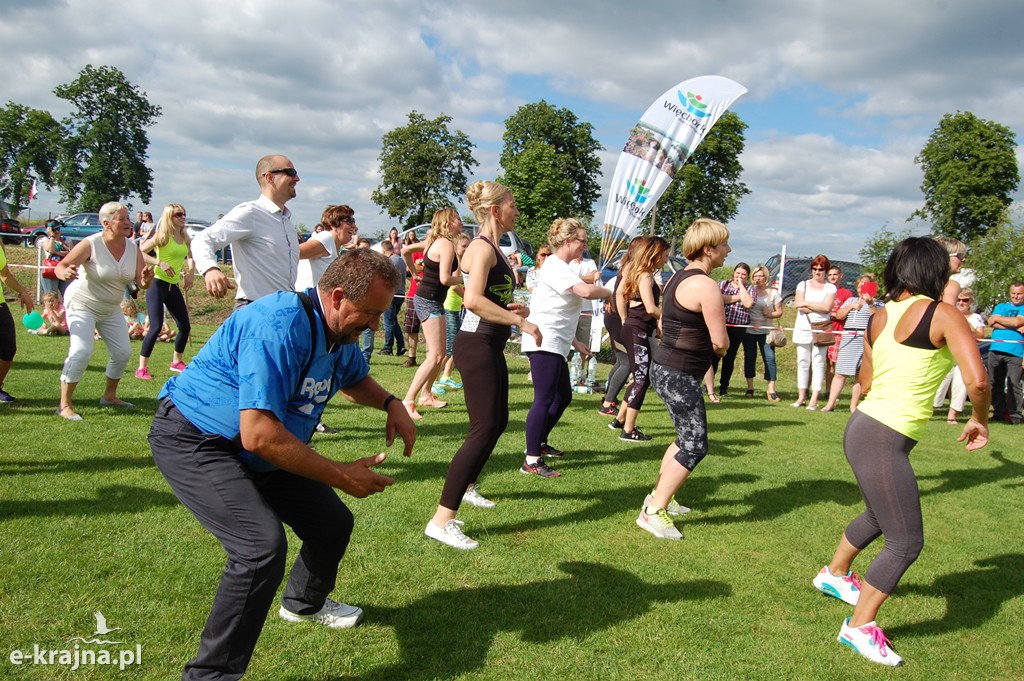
x=799, y=269
x=10, y=229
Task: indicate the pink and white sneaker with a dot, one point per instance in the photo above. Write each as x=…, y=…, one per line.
x=177, y=367
x=845, y=587
x=869, y=641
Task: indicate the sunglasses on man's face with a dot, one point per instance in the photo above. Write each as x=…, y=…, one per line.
x=290, y=172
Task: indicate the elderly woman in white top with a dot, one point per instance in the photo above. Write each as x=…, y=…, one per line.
x=813, y=304
x=99, y=268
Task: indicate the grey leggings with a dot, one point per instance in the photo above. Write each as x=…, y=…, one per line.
x=880, y=459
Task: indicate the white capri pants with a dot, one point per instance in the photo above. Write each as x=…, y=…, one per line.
x=810, y=366
x=955, y=380
x=113, y=328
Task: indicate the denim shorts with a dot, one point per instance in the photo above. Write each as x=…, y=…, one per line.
x=427, y=309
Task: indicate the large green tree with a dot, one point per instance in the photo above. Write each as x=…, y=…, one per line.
x=423, y=168
x=708, y=185
x=877, y=249
x=29, y=147
x=996, y=260
x=104, y=153
x=970, y=172
x=539, y=134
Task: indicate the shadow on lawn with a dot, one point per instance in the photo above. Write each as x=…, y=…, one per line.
x=766, y=504
x=589, y=599
x=92, y=464
x=966, y=478
x=112, y=499
x=972, y=597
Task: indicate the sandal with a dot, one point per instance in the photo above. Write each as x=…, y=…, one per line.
x=774, y=397
x=714, y=398
x=749, y=393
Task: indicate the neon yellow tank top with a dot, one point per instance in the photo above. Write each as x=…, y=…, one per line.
x=904, y=379
x=173, y=254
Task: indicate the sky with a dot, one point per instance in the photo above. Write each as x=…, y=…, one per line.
x=842, y=96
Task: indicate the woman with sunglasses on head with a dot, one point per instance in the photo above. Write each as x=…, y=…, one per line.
x=957, y=253
x=911, y=343
x=813, y=304
x=169, y=251
x=954, y=380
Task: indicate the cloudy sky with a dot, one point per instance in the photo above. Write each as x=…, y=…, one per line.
x=842, y=96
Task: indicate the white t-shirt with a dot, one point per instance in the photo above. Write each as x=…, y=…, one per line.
x=583, y=268
x=311, y=269
x=554, y=308
x=802, y=327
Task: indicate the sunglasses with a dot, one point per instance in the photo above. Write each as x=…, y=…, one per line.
x=179, y=215
x=958, y=256
x=817, y=269
x=350, y=221
x=290, y=172
x=963, y=300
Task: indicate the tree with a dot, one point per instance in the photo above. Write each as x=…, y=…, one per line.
x=104, y=154
x=708, y=185
x=423, y=167
x=29, y=146
x=970, y=171
x=996, y=260
x=877, y=249
x=540, y=133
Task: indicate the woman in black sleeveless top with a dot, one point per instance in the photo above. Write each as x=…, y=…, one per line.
x=693, y=333
x=480, y=356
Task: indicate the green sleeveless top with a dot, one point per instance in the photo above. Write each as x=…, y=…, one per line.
x=904, y=379
x=173, y=254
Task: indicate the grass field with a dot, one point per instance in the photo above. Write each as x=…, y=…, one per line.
x=564, y=585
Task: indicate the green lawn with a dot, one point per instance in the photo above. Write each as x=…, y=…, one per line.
x=564, y=585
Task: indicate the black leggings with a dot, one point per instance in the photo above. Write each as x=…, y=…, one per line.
x=8, y=336
x=552, y=393
x=736, y=336
x=161, y=293
x=638, y=348
x=480, y=359
x=880, y=459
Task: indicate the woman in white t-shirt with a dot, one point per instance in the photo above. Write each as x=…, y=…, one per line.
x=323, y=248
x=555, y=308
x=813, y=304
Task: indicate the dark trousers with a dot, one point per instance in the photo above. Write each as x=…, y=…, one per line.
x=736, y=336
x=246, y=511
x=552, y=393
x=1006, y=400
x=480, y=359
x=393, y=337
x=159, y=294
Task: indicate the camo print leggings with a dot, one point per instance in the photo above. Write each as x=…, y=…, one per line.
x=638, y=348
x=681, y=393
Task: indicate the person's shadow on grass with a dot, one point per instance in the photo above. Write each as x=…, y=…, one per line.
x=449, y=633
x=972, y=597
x=963, y=479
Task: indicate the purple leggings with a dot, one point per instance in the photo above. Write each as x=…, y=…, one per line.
x=551, y=395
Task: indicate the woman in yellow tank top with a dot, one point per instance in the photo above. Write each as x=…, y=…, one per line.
x=910, y=346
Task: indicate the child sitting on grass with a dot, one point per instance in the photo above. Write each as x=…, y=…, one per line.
x=135, y=320
x=55, y=321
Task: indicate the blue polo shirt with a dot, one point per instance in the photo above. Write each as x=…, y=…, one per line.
x=1015, y=349
x=255, y=360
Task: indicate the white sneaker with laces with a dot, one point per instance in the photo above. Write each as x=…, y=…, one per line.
x=334, y=615
x=673, y=508
x=845, y=587
x=474, y=498
x=451, y=534
x=869, y=641
x=659, y=524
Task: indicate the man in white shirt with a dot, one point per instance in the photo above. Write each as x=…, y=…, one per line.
x=264, y=244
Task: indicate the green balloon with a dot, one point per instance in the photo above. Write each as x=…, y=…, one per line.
x=32, y=321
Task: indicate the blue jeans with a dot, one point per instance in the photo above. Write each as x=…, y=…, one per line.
x=393, y=327
x=366, y=343
x=760, y=341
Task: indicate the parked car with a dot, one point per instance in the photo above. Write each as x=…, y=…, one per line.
x=74, y=228
x=611, y=268
x=10, y=228
x=510, y=241
x=799, y=269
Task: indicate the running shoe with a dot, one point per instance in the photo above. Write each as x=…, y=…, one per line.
x=451, y=534
x=474, y=498
x=437, y=388
x=615, y=424
x=540, y=468
x=334, y=615
x=548, y=450
x=449, y=383
x=635, y=436
x=143, y=374
x=869, y=641
x=610, y=410
x=659, y=524
x=177, y=367
x=673, y=508
x=6, y=397
x=846, y=587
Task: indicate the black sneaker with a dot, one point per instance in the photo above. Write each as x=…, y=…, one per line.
x=548, y=450
x=540, y=468
x=615, y=424
x=611, y=410
x=635, y=436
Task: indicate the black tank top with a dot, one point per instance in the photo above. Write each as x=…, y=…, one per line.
x=498, y=289
x=612, y=322
x=430, y=287
x=637, y=315
x=685, y=342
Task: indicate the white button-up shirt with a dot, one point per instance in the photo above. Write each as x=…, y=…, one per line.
x=264, y=247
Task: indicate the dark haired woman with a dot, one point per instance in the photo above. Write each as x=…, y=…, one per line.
x=910, y=346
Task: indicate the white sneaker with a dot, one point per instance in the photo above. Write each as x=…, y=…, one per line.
x=659, y=524
x=474, y=498
x=869, y=641
x=334, y=615
x=451, y=534
x=846, y=588
x=673, y=508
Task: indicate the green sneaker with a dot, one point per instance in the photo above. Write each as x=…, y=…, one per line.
x=437, y=389
x=659, y=524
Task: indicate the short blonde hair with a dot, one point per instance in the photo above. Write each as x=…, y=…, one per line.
x=952, y=246
x=763, y=270
x=703, y=232
x=564, y=229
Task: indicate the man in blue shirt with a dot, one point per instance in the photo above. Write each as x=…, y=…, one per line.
x=230, y=437
x=1004, y=359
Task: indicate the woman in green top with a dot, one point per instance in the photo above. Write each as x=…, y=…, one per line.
x=910, y=346
x=168, y=249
